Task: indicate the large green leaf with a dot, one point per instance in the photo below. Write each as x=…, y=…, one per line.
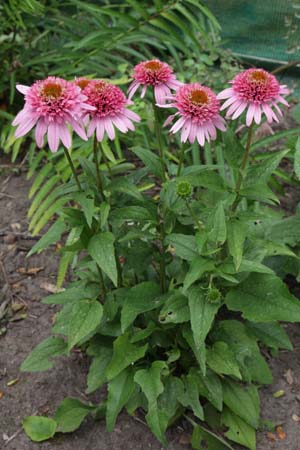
x=139, y=299
x=236, y=234
x=202, y=314
x=199, y=266
x=119, y=392
x=96, y=375
x=151, y=161
x=39, y=428
x=38, y=359
x=218, y=231
x=86, y=316
x=210, y=387
x=203, y=439
x=264, y=298
x=184, y=245
x=75, y=292
x=152, y=386
x=190, y=396
x=270, y=334
x=286, y=231
x=200, y=353
x=124, y=354
x=175, y=310
x=243, y=401
x=221, y=360
x=239, y=430
x=70, y=414
x=101, y=249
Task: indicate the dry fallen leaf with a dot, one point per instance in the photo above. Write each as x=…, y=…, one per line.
x=30, y=271
x=288, y=375
x=1, y=394
x=15, y=226
x=18, y=316
x=17, y=306
x=280, y=433
x=271, y=436
x=50, y=288
x=295, y=418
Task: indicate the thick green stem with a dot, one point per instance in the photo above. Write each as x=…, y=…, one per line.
x=98, y=175
x=102, y=284
x=181, y=159
x=106, y=162
x=162, y=263
x=72, y=168
x=242, y=168
x=193, y=215
x=157, y=128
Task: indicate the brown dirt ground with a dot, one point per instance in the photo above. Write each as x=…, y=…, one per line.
x=42, y=392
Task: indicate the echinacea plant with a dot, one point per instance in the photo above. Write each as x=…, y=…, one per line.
x=177, y=281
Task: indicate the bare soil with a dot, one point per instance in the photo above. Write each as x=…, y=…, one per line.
x=40, y=393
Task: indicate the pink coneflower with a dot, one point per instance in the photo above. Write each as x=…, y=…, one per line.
x=198, y=108
x=51, y=105
x=157, y=74
x=82, y=82
x=110, y=110
x=257, y=90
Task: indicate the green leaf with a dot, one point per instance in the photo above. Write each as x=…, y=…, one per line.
x=243, y=344
x=286, y=231
x=200, y=353
x=101, y=249
x=96, y=376
x=175, y=310
x=74, y=293
x=70, y=414
x=50, y=237
x=218, y=232
x=168, y=401
x=39, y=428
x=125, y=187
x=243, y=401
x=124, y=354
x=236, y=234
x=270, y=334
x=120, y=390
x=239, y=431
x=202, y=314
x=152, y=386
x=38, y=360
x=86, y=316
x=203, y=439
x=87, y=205
x=151, y=161
x=264, y=298
x=184, y=245
x=134, y=213
x=263, y=170
x=198, y=267
x=190, y=396
x=210, y=387
x=222, y=360
x=139, y=299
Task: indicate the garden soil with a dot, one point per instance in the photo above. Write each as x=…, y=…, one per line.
x=27, y=322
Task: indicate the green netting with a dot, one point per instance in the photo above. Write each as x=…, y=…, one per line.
x=267, y=30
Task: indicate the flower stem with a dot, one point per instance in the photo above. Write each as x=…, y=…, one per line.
x=193, y=215
x=242, y=168
x=99, y=180
x=181, y=158
x=162, y=263
x=68, y=156
x=159, y=137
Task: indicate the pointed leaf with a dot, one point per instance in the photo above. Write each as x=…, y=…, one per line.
x=38, y=359
x=119, y=392
x=239, y=431
x=86, y=316
x=70, y=413
x=39, y=428
x=101, y=249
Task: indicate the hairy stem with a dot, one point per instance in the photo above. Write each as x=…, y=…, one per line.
x=157, y=128
x=181, y=159
x=242, y=168
x=68, y=156
x=195, y=218
x=99, y=179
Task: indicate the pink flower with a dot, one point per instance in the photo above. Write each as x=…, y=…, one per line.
x=157, y=74
x=110, y=110
x=257, y=90
x=198, y=108
x=51, y=105
x=82, y=82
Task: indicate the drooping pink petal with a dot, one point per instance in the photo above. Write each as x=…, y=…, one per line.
x=40, y=131
x=53, y=136
x=65, y=135
x=25, y=126
x=100, y=130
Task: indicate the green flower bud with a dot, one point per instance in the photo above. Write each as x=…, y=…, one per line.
x=184, y=189
x=214, y=295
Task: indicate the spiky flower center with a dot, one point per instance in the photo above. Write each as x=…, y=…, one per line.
x=256, y=85
x=197, y=102
x=105, y=97
x=258, y=76
x=51, y=91
x=83, y=83
x=153, y=65
x=199, y=97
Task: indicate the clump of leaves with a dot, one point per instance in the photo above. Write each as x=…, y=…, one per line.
x=176, y=285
